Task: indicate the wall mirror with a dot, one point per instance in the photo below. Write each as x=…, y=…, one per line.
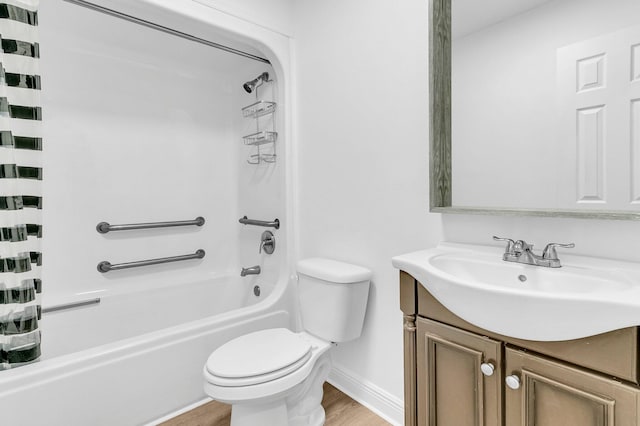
x=535, y=107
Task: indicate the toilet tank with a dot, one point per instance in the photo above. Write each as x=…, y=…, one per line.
x=333, y=298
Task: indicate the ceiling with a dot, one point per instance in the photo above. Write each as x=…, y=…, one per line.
x=469, y=16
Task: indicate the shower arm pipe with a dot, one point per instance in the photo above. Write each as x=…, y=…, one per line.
x=245, y=221
x=104, y=227
x=105, y=266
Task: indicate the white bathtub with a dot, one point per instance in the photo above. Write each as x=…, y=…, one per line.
x=135, y=357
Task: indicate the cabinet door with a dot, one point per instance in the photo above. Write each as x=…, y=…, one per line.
x=452, y=388
x=549, y=393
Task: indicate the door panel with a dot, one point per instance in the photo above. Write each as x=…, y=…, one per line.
x=452, y=390
x=598, y=91
x=555, y=394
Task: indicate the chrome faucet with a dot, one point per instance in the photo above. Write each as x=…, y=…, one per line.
x=254, y=270
x=521, y=252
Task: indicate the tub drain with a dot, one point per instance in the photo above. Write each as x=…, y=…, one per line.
x=522, y=278
x=256, y=290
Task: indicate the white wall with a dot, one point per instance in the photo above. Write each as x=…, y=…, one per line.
x=362, y=137
x=363, y=134
x=275, y=15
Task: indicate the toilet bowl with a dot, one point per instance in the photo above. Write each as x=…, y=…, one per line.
x=276, y=388
x=274, y=377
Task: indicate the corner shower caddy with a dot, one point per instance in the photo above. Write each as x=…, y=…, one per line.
x=261, y=136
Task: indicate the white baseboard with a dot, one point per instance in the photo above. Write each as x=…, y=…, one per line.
x=371, y=396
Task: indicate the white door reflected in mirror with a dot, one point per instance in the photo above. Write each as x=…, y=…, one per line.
x=546, y=104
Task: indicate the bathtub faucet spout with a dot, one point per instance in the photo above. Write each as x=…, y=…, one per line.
x=254, y=270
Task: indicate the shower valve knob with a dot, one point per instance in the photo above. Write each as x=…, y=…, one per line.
x=267, y=242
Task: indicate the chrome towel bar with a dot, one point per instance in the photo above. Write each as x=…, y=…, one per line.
x=245, y=221
x=105, y=266
x=104, y=227
x=70, y=305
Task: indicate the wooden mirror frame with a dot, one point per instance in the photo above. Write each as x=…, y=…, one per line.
x=440, y=188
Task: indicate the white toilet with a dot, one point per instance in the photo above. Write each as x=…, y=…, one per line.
x=274, y=377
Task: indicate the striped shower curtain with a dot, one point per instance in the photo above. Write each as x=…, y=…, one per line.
x=20, y=183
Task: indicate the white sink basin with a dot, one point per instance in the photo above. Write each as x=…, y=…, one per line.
x=586, y=296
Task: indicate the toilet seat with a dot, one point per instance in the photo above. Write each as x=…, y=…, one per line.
x=271, y=389
x=258, y=357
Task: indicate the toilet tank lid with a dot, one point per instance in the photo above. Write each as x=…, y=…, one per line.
x=333, y=270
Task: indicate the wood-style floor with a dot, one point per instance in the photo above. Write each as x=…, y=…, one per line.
x=339, y=408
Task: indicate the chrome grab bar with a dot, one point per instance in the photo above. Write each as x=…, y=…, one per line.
x=245, y=221
x=104, y=227
x=105, y=266
x=71, y=305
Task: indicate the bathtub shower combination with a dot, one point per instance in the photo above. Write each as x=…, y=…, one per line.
x=145, y=128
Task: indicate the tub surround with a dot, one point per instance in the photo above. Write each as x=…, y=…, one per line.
x=178, y=151
x=137, y=100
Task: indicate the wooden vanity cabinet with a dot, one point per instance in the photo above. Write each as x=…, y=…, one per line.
x=454, y=390
x=449, y=382
x=556, y=394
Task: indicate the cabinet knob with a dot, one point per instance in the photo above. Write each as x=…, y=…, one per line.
x=513, y=381
x=487, y=368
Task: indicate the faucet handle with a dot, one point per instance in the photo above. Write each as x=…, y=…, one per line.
x=510, y=244
x=550, y=253
x=521, y=246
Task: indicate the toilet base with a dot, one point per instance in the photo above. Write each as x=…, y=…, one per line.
x=315, y=418
x=273, y=415
x=301, y=406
